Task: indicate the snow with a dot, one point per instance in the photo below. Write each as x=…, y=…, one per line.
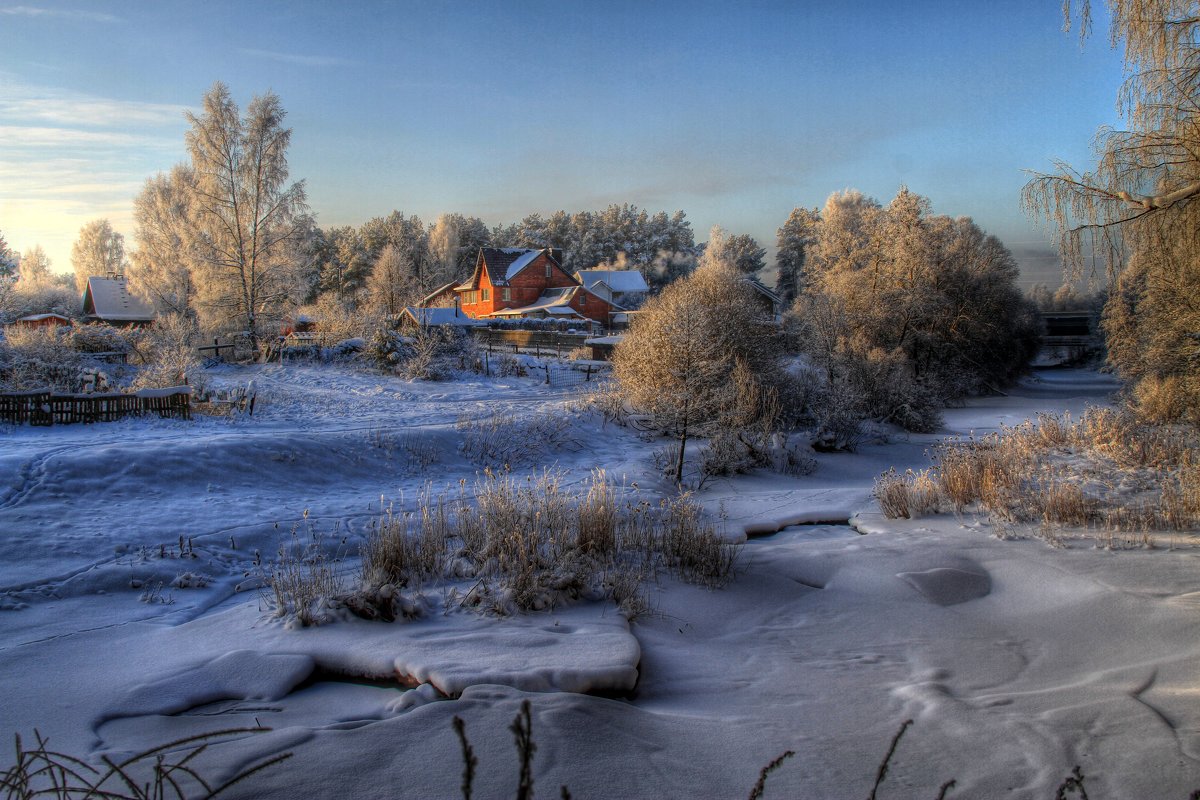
x=128, y=616
x=526, y=258
x=621, y=281
x=169, y=391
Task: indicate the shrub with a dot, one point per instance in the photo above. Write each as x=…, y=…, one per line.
x=1106, y=470
x=527, y=543
x=1165, y=400
x=304, y=582
x=35, y=358
x=908, y=496
x=169, y=356
x=500, y=440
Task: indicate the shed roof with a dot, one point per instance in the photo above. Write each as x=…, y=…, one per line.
x=620, y=281
x=40, y=317
x=439, y=316
x=108, y=299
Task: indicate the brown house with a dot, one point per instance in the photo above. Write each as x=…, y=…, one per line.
x=42, y=321
x=517, y=282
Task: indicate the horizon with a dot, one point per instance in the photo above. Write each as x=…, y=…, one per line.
x=733, y=115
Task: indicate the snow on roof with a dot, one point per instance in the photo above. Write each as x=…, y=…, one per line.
x=40, y=317
x=552, y=301
x=619, y=280
x=109, y=299
x=521, y=263
x=429, y=298
x=439, y=316
x=504, y=263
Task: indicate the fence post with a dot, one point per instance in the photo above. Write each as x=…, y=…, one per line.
x=547, y=374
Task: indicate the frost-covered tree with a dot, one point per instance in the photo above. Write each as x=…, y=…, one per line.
x=8, y=273
x=343, y=263
x=34, y=267
x=407, y=234
x=741, y=251
x=1139, y=207
x=99, y=251
x=1152, y=321
x=394, y=282
x=444, y=240
x=678, y=361
x=8, y=260
x=160, y=268
x=1146, y=175
x=659, y=245
x=793, y=240
x=928, y=307
x=246, y=218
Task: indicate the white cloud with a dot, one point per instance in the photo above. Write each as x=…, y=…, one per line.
x=39, y=104
x=58, y=13
x=297, y=58
x=29, y=136
x=67, y=158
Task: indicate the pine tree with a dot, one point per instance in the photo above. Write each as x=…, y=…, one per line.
x=793, y=240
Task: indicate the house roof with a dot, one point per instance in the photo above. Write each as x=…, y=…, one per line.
x=555, y=302
x=620, y=281
x=429, y=298
x=109, y=299
x=505, y=263
x=439, y=316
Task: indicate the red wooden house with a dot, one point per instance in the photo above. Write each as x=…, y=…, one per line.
x=513, y=282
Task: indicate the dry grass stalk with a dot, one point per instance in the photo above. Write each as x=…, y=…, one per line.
x=304, y=579
x=1035, y=472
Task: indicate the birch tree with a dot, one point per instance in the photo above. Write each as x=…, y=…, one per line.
x=1137, y=209
x=246, y=216
x=1149, y=173
x=34, y=267
x=160, y=267
x=99, y=251
x=393, y=283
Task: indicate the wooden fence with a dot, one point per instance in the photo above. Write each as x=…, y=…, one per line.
x=534, y=343
x=48, y=408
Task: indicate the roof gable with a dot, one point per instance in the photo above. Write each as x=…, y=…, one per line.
x=505, y=263
x=109, y=299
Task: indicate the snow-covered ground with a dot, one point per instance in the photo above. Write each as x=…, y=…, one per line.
x=131, y=553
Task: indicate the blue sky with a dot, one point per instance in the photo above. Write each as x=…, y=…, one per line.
x=734, y=112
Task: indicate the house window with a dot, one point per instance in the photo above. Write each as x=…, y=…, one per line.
x=549, y=270
x=486, y=294
x=506, y=293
